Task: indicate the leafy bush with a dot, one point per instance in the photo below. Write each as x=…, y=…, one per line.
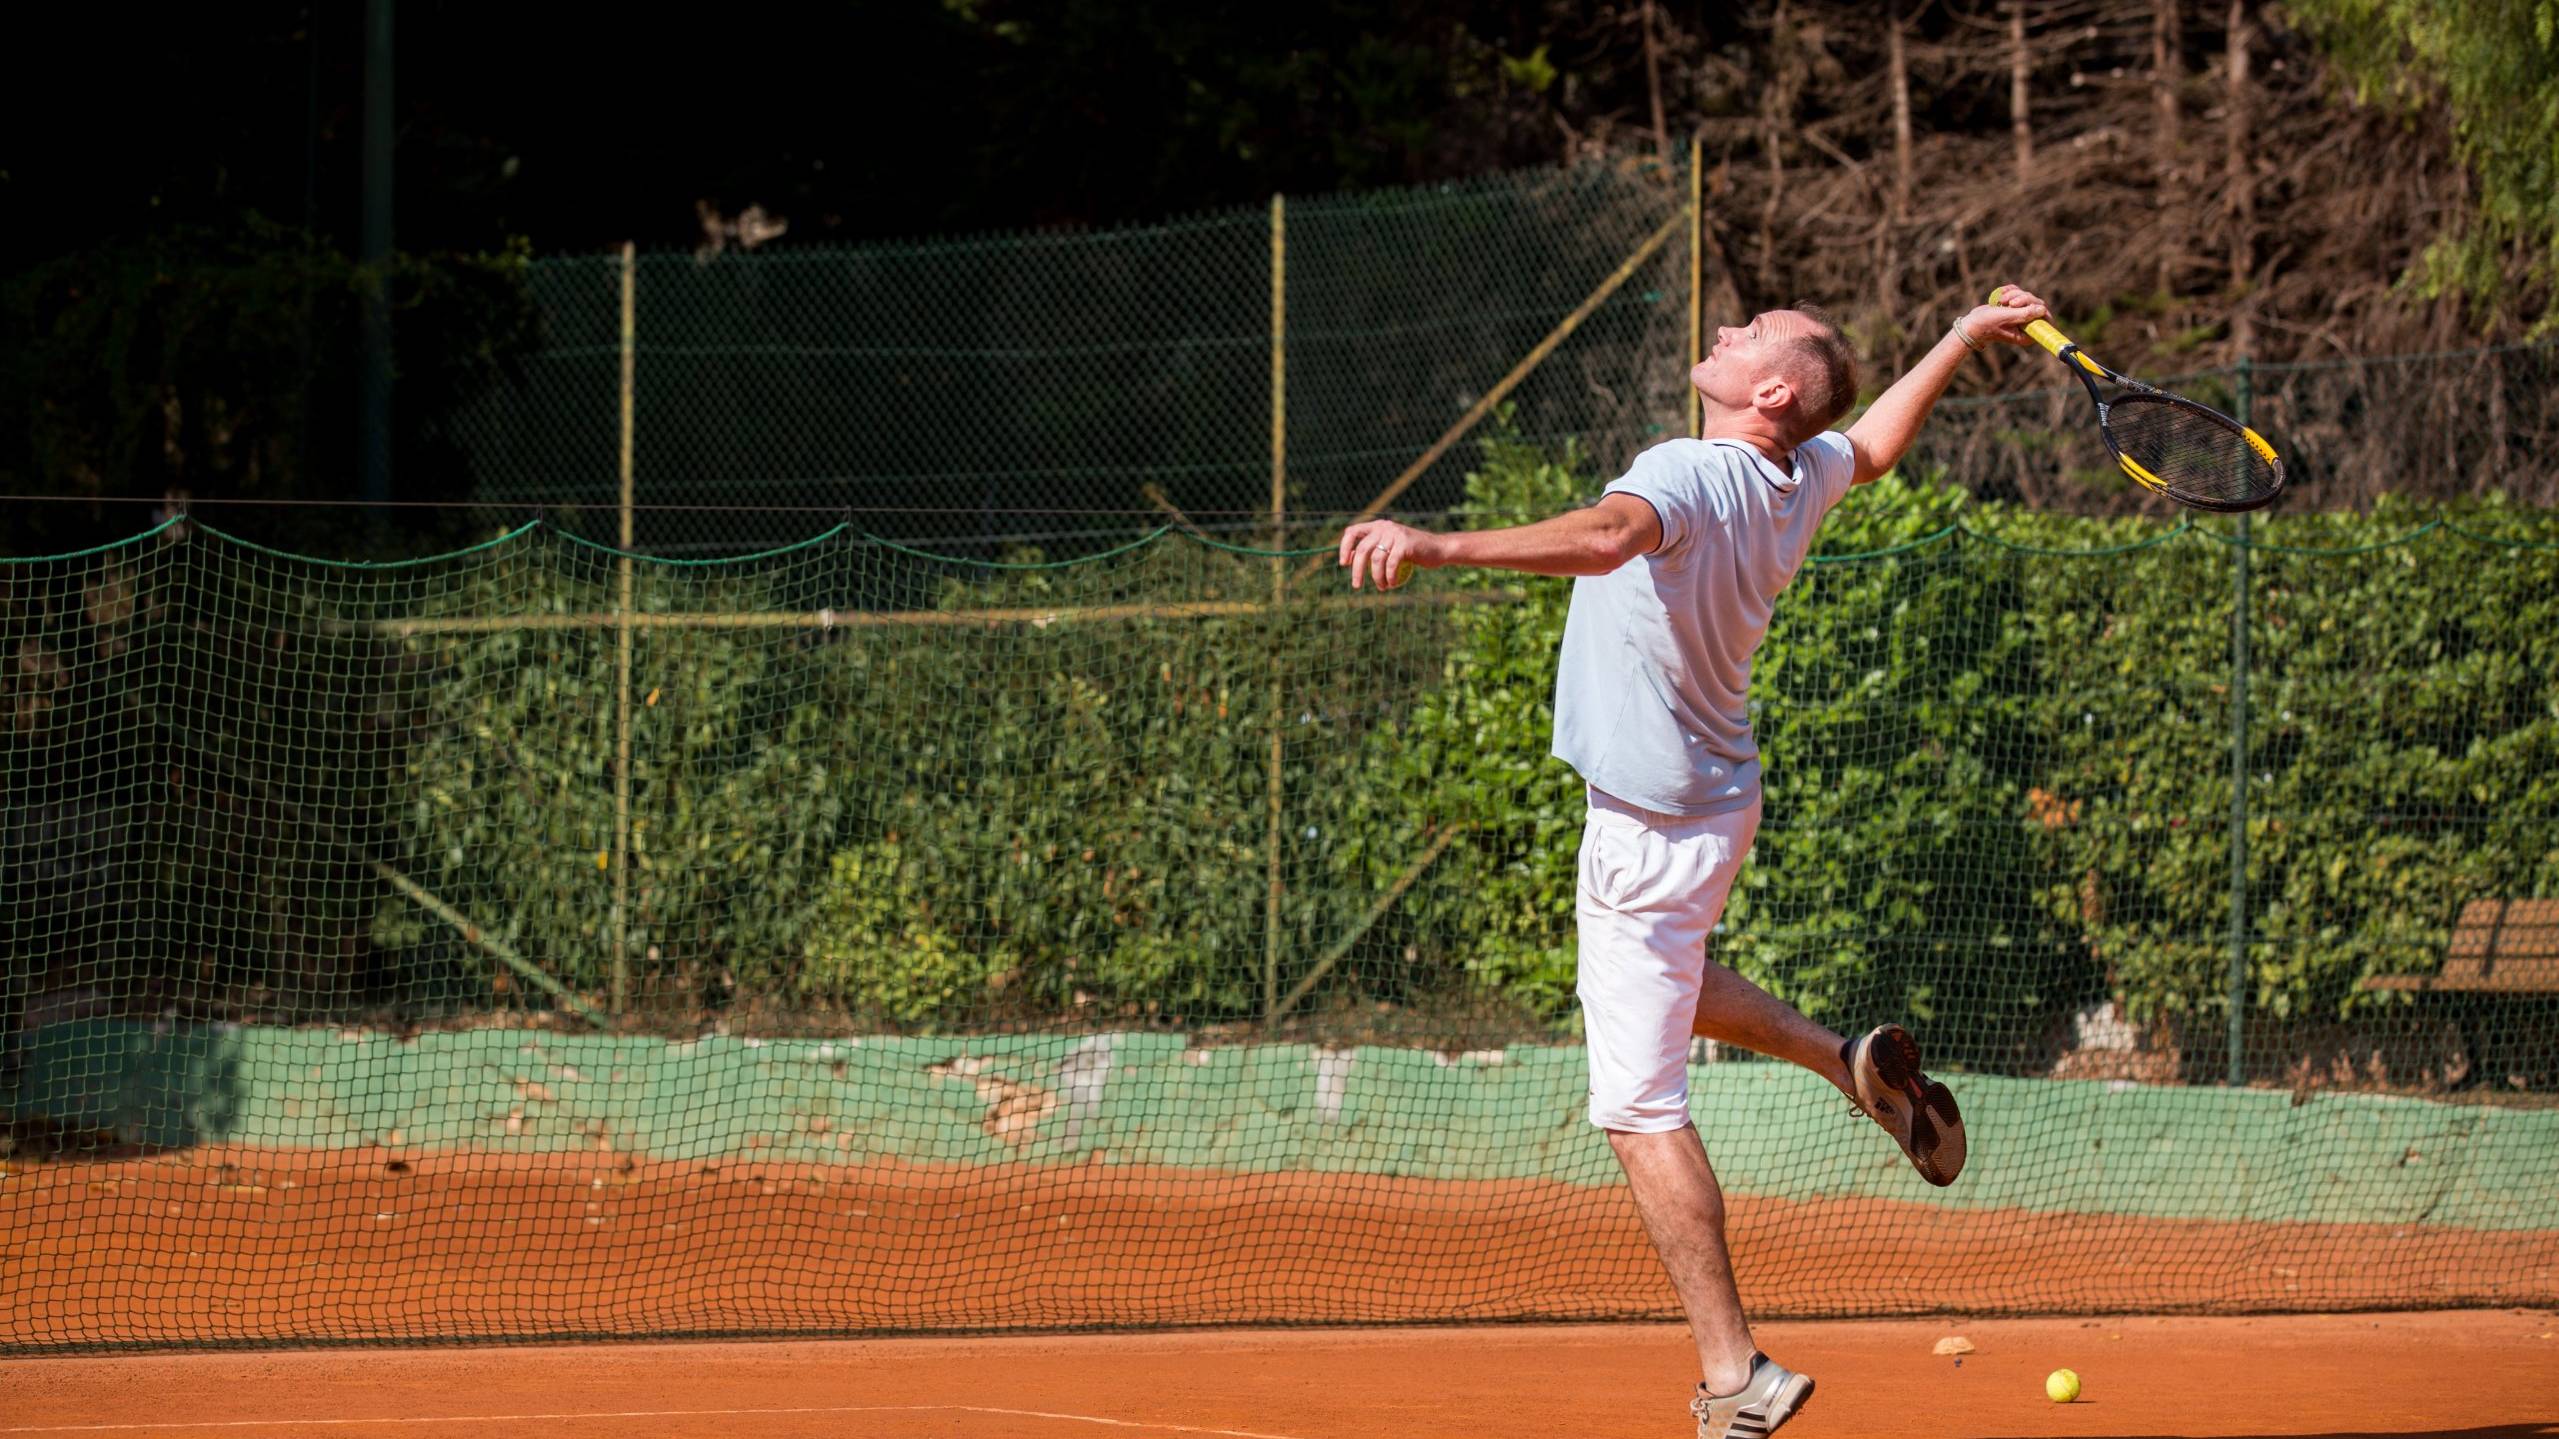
x=2402, y=733
x=1998, y=769
x=1892, y=703
x=942, y=794
x=738, y=777
x=1998, y=763
x=1095, y=794
x=872, y=943
x=1473, y=749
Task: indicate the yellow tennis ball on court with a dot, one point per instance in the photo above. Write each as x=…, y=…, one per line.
x=2061, y=1386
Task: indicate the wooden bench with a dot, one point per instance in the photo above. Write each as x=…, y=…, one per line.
x=2499, y=946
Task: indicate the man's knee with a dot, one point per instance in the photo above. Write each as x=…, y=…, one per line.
x=1669, y=1173
x=1640, y=1151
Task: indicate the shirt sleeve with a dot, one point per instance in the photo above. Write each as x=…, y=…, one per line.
x=1659, y=479
x=1830, y=465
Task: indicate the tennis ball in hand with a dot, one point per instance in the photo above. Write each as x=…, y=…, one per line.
x=2061, y=1386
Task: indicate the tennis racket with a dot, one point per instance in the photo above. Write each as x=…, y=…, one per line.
x=2193, y=454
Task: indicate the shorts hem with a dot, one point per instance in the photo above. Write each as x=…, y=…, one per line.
x=1640, y=1124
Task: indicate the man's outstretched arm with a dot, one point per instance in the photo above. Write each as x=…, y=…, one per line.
x=1885, y=431
x=1579, y=542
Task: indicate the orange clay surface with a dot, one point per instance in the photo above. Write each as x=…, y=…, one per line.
x=2488, y=1374
x=248, y=1246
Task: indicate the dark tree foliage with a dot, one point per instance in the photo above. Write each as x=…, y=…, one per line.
x=2192, y=181
x=211, y=360
x=579, y=129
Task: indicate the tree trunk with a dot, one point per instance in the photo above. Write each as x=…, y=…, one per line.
x=2242, y=183
x=1888, y=271
x=1653, y=82
x=1776, y=113
x=2019, y=126
x=1898, y=57
x=2167, y=68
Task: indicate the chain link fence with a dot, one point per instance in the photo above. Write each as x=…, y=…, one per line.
x=2455, y=425
x=990, y=392
x=879, y=913
x=1066, y=391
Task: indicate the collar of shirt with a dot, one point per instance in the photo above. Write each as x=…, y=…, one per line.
x=1783, y=478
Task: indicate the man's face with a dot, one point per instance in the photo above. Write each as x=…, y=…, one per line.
x=1740, y=368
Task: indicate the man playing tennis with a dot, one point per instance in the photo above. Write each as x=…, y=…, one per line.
x=1678, y=567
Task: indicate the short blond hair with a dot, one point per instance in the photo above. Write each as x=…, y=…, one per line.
x=1822, y=373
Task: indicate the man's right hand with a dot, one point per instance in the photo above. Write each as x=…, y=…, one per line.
x=2004, y=320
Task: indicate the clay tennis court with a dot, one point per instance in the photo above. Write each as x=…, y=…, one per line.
x=247, y=1247
x=2475, y=1375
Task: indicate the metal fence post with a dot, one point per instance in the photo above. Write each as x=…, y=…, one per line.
x=1696, y=278
x=1279, y=589
x=622, y=651
x=2239, y=775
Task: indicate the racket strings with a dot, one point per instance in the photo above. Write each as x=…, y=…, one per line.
x=2198, y=456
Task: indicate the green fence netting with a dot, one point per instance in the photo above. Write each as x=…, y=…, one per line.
x=542, y=941
x=972, y=392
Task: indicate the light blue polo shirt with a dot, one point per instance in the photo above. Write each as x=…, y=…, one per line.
x=1652, y=688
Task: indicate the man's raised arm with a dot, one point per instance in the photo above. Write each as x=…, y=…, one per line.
x=1885, y=431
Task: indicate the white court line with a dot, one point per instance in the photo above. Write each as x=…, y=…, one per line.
x=629, y=1414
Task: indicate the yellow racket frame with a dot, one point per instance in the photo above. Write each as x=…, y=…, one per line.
x=2067, y=351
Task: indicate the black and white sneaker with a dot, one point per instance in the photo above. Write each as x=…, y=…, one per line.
x=1918, y=1112
x=1772, y=1397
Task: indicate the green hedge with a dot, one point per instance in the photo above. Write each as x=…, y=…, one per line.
x=921, y=824
x=1998, y=769
x=1891, y=874
x=1998, y=764
x=1998, y=754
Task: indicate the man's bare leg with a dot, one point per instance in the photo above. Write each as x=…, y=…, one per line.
x=1683, y=1209
x=1732, y=1010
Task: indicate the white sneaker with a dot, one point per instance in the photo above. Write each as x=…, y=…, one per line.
x=1771, y=1398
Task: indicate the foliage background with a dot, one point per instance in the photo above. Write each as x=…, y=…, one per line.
x=1998, y=759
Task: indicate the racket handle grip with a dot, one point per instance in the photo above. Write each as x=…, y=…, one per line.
x=2046, y=336
x=2041, y=332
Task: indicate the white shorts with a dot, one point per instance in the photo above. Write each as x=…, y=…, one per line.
x=1652, y=887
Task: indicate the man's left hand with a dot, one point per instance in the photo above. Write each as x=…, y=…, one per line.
x=1389, y=552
